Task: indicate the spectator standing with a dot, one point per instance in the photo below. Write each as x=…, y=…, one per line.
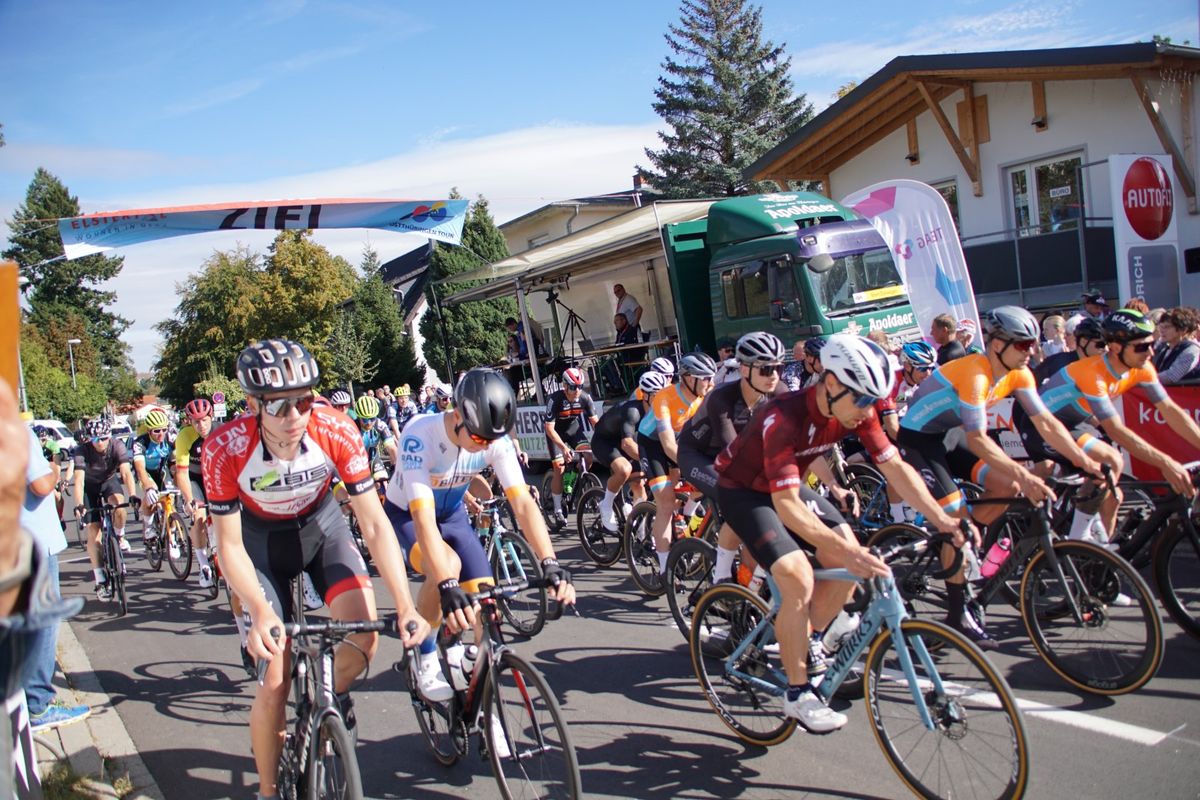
x=518, y=330
x=942, y=332
x=628, y=305
x=727, y=365
x=795, y=373
x=1094, y=304
x=1178, y=359
x=1054, y=329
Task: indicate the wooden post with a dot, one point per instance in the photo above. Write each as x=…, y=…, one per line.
x=1183, y=169
x=1040, y=122
x=964, y=158
x=914, y=148
x=1185, y=114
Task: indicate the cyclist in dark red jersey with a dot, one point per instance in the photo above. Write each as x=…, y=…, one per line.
x=761, y=489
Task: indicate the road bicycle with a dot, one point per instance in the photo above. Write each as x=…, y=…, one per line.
x=166, y=526
x=690, y=567
x=1088, y=612
x=112, y=560
x=1176, y=558
x=944, y=718
x=577, y=479
x=603, y=547
x=510, y=705
x=318, y=758
x=512, y=559
x=640, y=554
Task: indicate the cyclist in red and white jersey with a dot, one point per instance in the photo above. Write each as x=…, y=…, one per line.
x=762, y=494
x=267, y=477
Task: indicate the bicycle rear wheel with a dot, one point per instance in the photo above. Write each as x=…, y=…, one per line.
x=640, y=555
x=333, y=768
x=1177, y=576
x=528, y=742
x=977, y=747
x=689, y=575
x=724, y=616
x=116, y=572
x=179, y=546
x=1117, y=646
x=154, y=545
x=602, y=545
x=513, y=559
x=871, y=488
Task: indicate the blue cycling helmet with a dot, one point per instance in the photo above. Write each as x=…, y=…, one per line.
x=814, y=346
x=919, y=354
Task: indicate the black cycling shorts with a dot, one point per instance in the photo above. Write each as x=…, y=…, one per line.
x=938, y=467
x=699, y=470
x=1086, y=436
x=456, y=530
x=573, y=442
x=606, y=452
x=655, y=463
x=762, y=531
x=318, y=543
x=94, y=496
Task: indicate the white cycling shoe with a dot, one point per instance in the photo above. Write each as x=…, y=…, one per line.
x=497, y=741
x=206, y=579
x=431, y=683
x=312, y=600
x=814, y=715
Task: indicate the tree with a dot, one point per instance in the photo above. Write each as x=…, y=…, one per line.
x=845, y=89
x=475, y=331
x=378, y=320
x=49, y=391
x=349, y=357
x=215, y=380
x=59, y=286
x=727, y=98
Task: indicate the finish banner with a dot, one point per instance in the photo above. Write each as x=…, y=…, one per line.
x=94, y=233
x=915, y=221
x=1144, y=419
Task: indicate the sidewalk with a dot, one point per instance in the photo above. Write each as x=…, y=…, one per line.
x=98, y=748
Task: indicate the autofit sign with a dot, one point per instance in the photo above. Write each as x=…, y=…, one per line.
x=1145, y=231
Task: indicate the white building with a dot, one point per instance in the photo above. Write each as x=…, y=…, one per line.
x=1027, y=166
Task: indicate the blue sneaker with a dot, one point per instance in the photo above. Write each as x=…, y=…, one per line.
x=56, y=715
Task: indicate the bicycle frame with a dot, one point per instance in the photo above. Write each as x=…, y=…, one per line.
x=885, y=609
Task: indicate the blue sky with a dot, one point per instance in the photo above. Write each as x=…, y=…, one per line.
x=137, y=104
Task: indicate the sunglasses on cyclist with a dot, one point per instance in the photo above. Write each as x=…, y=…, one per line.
x=1142, y=347
x=1023, y=345
x=767, y=370
x=280, y=406
x=159, y=430
x=479, y=440
x=860, y=400
x=99, y=439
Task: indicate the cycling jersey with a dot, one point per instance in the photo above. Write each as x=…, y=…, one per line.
x=239, y=470
x=189, y=446
x=99, y=467
x=435, y=471
x=567, y=415
x=717, y=421
x=668, y=411
x=1053, y=364
x=960, y=392
x=157, y=455
x=618, y=422
x=375, y=434
x=404, y=413
x=1085, y=389
x=784, y=437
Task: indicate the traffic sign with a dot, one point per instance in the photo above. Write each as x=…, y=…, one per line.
x=218, y=397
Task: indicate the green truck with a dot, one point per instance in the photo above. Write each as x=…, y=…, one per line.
x=796, y=264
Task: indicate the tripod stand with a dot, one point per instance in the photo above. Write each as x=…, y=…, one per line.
x=573, y=326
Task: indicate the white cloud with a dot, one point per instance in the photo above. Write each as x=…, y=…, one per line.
x=22, y=159
x=517, y=171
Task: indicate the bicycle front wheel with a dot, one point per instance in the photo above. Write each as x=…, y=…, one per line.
x=1177, y=576
x=977, y=745
x=433, y=718
x=179, y=546
x=527, y=741
x=747, y=694
x=513, y=560
x=640, y=555
x=924, y=596
x=333, y=768
x=871, y=488
x=1115, y=645
x=116, y=572
x=689, y=575
x=602, y=545
x=154, y=545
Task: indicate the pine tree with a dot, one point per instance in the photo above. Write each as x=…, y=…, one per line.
x=475, y=332
x=727, y=98
x=58, y=286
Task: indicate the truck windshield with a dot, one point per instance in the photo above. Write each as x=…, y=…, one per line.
x=869, y=278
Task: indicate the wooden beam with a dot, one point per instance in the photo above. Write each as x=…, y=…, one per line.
x=957, y=83
x=827, y=185
x=871, y=131
x=971, y=167
x=861, y=144
x=973, y=132
x=1185, y=113
x=1183, y=169
x=1040, y=121
x=914, y=148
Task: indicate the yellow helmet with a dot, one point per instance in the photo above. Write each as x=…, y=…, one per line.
x=404, y=391
x=366, y=407
x=156, y=419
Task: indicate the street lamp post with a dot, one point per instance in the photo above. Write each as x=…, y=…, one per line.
x=71, y=353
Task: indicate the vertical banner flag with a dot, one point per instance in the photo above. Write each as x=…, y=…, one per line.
x=915, y=221
x=93, y=233
x=1145, y=229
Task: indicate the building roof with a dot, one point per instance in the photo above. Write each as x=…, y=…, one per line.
x=632, y=198
x=588, y=250
x=405, y=267
x=896, y=94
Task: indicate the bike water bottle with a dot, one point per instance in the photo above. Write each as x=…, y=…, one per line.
x=695, y=520
x=838, y=630
x=756, y=580
x=454, y=660
x=569, y=481
x=997, y=554
x=467, y=667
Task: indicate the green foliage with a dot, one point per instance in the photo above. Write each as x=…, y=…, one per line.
x=60, y=287
x=349, y=357
x=475, y=331
x=379, y=322
x=214, y=380
x=121, y=386
x=48, y=388
x=727, y=99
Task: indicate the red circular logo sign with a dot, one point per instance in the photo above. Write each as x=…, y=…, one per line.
x=1146, y=196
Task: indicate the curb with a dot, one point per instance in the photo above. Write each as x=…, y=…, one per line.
x=102, y=735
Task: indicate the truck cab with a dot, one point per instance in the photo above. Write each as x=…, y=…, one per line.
x=796, y=264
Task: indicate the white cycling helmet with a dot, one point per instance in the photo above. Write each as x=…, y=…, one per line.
x=652, y=382
x=663, y=365
x=860, y=364
x=759, y=347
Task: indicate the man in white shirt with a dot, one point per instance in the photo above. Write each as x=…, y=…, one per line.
x=628, y=305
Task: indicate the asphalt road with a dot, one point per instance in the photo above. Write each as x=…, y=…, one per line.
x=624, y=679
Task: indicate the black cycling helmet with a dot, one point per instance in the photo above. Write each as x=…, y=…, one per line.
x=486, y=402
x=814, y=346
x=99, y=429
x=1089, y=328
x=1125, y=325
x=276, y=365
x=759, y=347
x=698, y=365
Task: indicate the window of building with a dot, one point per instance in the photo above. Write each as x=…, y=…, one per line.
x=949, y=192
x=1047, y=195
x=746, y=291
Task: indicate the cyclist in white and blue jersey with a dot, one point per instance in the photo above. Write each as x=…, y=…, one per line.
x=376, y=435
x=439, y=455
